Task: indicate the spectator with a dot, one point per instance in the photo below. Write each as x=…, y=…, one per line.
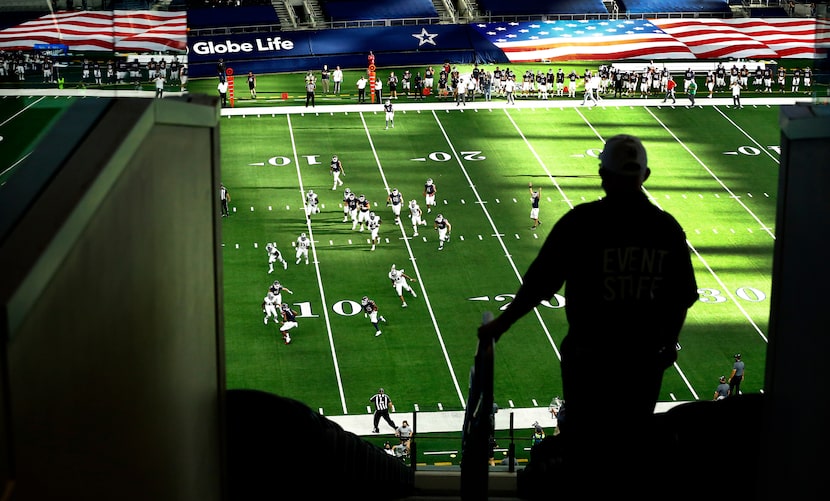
x=631, y=333
x=404, y=433
x=537, y=436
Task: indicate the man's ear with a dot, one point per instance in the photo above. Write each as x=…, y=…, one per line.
x=647, y=174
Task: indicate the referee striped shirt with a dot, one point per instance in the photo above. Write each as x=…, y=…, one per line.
x=381, y=401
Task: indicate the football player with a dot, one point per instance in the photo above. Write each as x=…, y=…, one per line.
x=289, y=321
x=374, y=227
x=276, y=289
x=351, y=204
x=443, y=227
x=303, y=244
x=363, y=210
x=346, y=194
x=311, y=204
x=399, y=283
x=395, y=199
x=337, y=171
x=390, y=114
x=415, y=214
x=274, y=255
x=269, y=307
x=370, y=311
x=429, y=195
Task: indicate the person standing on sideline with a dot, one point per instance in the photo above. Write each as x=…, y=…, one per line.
x=361, y=89
x=509, y=88
x=722, y=391
x=303, y=244
x=390, y=114
x=183, y=78
x=325, y=78
x=336, y=169
x=443, y=227
x=370, y=311
x=337, y=78
x=670, y=92
x=692, y=92
x=310, y=87
x=160, y=85
x=535, y=196
x=429, y=194
x=598, y=250
x=736, y=94
x=399, y=283
x=222, y=87
x=224, y=200
x=289, y=321
x=378, y=90
x=737, y=376
x=415, y=217
x=382, y=404
x=252, y=84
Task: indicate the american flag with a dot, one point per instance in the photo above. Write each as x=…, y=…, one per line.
x=659, y=39
x=115, y=31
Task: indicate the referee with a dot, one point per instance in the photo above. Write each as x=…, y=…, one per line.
x=382, y=403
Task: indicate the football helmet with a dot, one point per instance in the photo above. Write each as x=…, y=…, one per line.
x=394, y=191
x=351, y=196
x=285, y=306
x=439, y=218
x=535, y=194
x=310, y=192
x=388, y=101
x=270, y=295
x=429, y=181
x=372, y=215
x=413, y=203
x=302, y=235
x=365, y=300
x=334, y=158
x=361, y=198
x=347, y=190
x=276, y=283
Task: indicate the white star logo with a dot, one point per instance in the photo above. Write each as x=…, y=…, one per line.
x=425, y=37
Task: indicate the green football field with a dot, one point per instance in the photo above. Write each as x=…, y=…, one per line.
x=714, y=167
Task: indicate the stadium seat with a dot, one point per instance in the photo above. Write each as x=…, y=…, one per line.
x=354, y=10
x=541, y=7
x=649, y=6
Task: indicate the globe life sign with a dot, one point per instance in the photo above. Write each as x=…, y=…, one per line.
x=268, y=44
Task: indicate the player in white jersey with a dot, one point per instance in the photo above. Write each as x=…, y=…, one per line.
x=274, y=255
x=311, y=204
x=269, y=307
x=415, y=216
x=374, y=228
x=395, y=199
x=303, y=244
x=399, y=282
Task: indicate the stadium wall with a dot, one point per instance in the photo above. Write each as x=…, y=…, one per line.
x=348, y=48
